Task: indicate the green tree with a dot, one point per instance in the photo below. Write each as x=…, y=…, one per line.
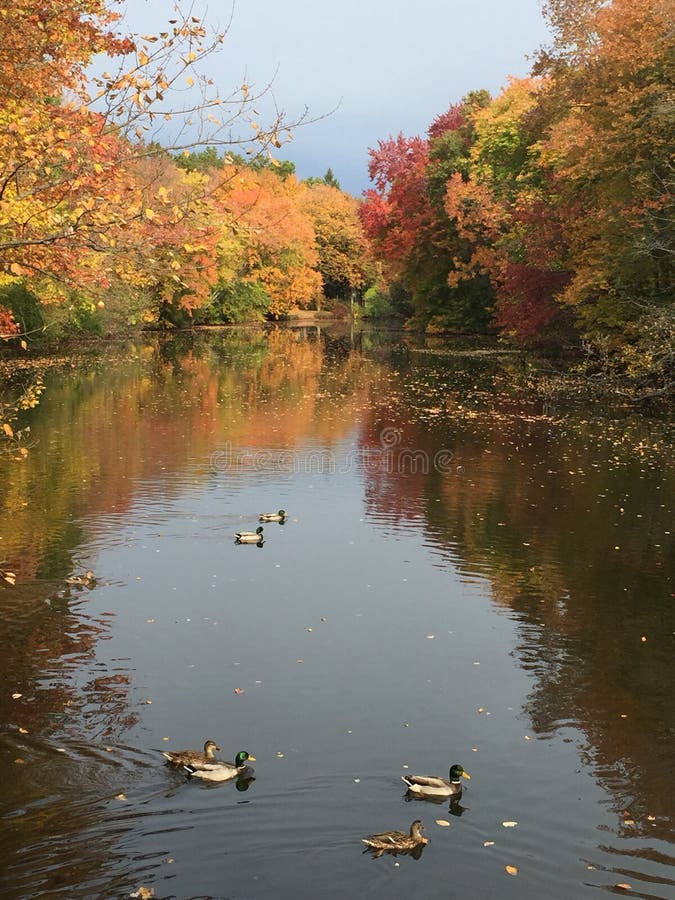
x=200, y=160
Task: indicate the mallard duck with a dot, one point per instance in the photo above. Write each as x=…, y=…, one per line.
x=433, y=786
x=87, y=580
x=219, y=770
x=397, y=841
x=250, y=537
x=190, y=757
x=273, y=517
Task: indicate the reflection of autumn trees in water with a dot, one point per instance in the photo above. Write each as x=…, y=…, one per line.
x=109, y=426
x=532, y=506
x=103, y=429
x=568, y=523
x=49, y=659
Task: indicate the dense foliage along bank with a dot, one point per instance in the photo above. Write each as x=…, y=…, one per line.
x=112, y=215
x=543, y=214
x=547, y=212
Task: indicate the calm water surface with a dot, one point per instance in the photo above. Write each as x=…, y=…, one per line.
x=465, y=575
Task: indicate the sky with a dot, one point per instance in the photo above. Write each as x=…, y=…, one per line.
x=366, y=69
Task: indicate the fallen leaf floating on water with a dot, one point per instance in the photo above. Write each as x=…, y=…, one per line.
x=509, y=824
x=624, y=886
x=238, y=691
x=19, y=761
x=488, y=843
x=144, y=893
x=443, y=823
x=16, y=696
x=120, y=796
x=23, y=730
x=511, y=870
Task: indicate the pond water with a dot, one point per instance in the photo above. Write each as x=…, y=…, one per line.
x=465, y=575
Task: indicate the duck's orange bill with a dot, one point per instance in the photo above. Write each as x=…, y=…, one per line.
x=466, y=775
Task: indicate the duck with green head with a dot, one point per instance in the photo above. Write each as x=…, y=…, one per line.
x=434, y=787
x=273, y=517
x=219, y=770
x=249, y=537
x=397, y=841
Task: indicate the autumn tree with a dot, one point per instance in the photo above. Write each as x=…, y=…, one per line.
x=611, y=151
x=503, y=207
x=272, y=241
x=405, y=218
x=344, y=261
x=72, y=185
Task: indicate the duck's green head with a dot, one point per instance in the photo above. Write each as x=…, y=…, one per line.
x=242, y=757
x=282, y=513
x=457, y=772
x=259, y=529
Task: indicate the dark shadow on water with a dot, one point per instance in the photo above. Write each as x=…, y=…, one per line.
x=414, y=853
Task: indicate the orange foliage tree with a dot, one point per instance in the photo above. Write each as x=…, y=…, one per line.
x=74, y=187
x=344, y=260
x=275, y=243
x=610, y=148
